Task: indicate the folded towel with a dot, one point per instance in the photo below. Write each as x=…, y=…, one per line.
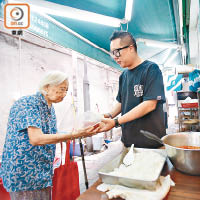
x=162, y=188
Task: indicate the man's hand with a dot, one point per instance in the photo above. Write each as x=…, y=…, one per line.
x=107, y=115
x=106, y=124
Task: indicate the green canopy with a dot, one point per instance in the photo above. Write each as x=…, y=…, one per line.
x=151, y=19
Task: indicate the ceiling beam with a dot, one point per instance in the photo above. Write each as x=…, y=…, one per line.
x=69, y=12
x=178, y=21
x=194, y=43
x=156, y=43
x=128, y=10
x=185, y=16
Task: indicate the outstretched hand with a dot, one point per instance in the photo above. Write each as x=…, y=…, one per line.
x=106, y=124
x=86, y=132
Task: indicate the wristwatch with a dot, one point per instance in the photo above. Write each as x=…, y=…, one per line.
x=117, y=123
x=109, y=115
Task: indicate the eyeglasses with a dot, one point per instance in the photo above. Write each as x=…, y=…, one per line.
x=62, y=90
x=116, y=52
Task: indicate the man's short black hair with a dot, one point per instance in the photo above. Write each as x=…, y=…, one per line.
x=125, y=37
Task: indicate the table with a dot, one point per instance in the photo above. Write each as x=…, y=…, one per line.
x=187, y=187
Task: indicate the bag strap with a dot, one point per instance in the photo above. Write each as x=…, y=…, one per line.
x=67, y=153
x=61, y=153
x=73, y=150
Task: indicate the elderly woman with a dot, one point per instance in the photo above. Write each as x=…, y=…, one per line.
x=29, y=149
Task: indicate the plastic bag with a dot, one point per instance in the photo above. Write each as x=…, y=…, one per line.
x=87, y=119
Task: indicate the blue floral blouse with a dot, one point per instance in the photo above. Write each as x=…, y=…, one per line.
x=24, y=166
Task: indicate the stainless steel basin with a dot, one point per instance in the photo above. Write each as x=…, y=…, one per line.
x=185, y=160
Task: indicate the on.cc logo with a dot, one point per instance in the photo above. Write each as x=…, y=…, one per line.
x=16, y=14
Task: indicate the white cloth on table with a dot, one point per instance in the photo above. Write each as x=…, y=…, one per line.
x=162, y=188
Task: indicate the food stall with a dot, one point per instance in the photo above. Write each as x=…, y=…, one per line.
x=180, y=163
x=86, y=49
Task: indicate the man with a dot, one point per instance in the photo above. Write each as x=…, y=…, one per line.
x=140, y=95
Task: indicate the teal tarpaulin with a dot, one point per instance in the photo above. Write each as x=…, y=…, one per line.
x=174, y=82
x=44, y=27
x=194, y=80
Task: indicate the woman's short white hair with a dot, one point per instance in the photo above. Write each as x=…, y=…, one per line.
x=52, y=78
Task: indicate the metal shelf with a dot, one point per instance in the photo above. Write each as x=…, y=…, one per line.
x=188, y=117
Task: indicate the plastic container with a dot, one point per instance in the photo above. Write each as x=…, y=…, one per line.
x=87, y=119
x=189, y=105
x=97, y=141
x=77, y=150
x=107, y=141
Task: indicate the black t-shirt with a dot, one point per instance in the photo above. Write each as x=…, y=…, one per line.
x=145, y=82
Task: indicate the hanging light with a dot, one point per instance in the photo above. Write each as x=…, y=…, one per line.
x=128, y=10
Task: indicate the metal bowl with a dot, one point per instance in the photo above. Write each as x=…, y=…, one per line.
x=185, y=160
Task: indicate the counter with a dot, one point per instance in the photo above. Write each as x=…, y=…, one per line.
x=187, y=187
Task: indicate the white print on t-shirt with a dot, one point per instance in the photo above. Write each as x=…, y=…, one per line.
x=138, y=90
x=158, y=97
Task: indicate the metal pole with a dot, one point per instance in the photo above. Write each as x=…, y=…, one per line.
x=83, y=162
x=75, y=112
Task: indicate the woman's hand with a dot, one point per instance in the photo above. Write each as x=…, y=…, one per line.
x=85, y=132
x=107, y=115
x=105, y=125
